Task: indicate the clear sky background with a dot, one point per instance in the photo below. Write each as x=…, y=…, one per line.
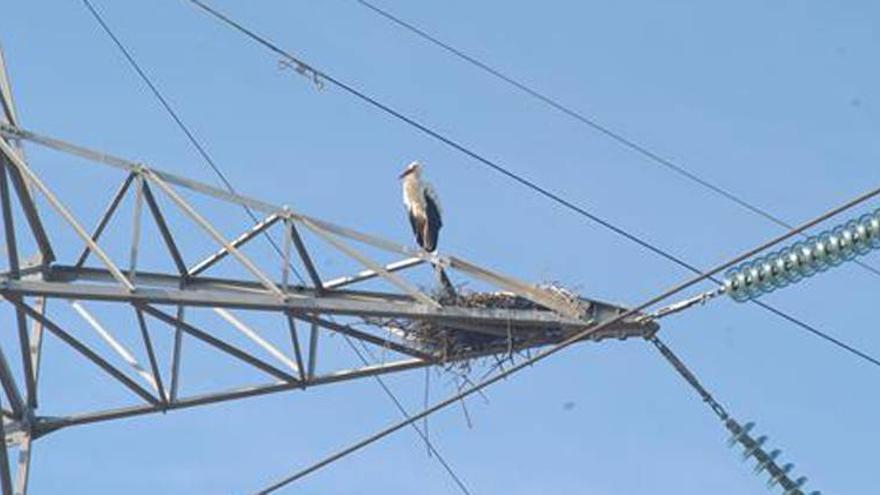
x=775, y=101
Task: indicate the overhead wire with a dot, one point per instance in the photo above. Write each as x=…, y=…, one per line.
x=422, y=432
x=203, y=152
x=577, y=337
x=822, y=335
x=317, y=73
x=180, y=124
x=589, y=121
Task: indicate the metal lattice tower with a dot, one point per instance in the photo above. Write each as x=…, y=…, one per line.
x=165, y=300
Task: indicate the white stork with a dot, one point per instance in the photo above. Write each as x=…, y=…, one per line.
x=424, y=216
x=422, y=206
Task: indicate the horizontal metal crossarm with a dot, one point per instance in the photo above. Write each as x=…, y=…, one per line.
x=238, y=293
x=510, y=316
x=350, y=303
x=527, y=316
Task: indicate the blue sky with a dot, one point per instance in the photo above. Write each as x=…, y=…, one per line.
x=777, y=102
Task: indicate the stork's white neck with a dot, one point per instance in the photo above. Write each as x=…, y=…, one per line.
x=413, y=193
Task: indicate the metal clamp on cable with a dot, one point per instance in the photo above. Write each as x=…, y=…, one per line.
x=303, y=70
x=681, y=305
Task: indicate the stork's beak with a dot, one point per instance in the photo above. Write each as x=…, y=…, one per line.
x=412, y=167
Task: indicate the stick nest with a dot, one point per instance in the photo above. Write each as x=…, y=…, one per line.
x=452, y=342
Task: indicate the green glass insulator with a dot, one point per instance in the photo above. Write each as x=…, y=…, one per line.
x=803, y=259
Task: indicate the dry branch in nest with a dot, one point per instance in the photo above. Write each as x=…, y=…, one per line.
x=458, y=342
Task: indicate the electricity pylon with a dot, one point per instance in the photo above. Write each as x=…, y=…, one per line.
x=173, y=296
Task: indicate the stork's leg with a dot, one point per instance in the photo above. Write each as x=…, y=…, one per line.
x=443, y=280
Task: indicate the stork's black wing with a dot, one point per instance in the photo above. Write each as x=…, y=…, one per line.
x=432, y=227
x=418, y=227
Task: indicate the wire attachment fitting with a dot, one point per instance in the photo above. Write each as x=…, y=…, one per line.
x=304, y=70
x=682, y=305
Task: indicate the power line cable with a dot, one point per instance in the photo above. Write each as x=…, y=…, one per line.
x=423, y=434
x=318, y=74
x=843, y=345
x=577, y=337
x=591, y=122
x=180, y=124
